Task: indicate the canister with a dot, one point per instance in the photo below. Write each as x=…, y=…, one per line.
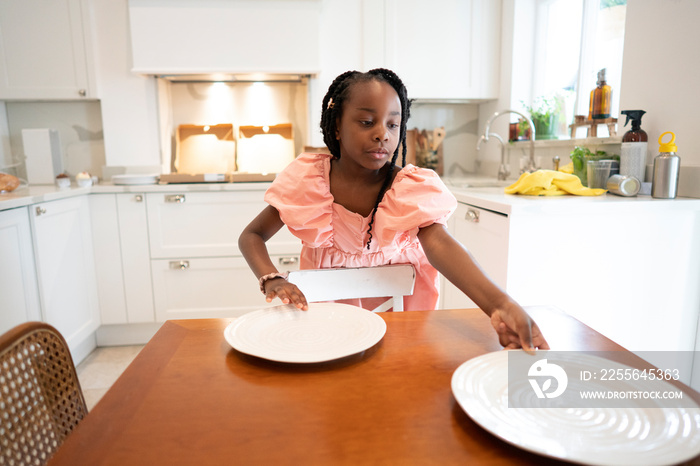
x=623, y=185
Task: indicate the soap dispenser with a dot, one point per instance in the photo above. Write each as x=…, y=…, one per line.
x=664, y=184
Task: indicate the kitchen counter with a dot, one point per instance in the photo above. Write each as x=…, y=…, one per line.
x=493, y=198
x=467, y=190
x=42, y=193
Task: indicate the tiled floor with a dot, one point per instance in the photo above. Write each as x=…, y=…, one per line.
x=102, y=368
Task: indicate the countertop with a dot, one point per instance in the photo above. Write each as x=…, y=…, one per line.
x=28, y=195
x=486, y=193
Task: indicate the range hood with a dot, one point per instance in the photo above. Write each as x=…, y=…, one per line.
x=235, y=77
x=195, y=40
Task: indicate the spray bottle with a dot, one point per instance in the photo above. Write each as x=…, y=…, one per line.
x=633, y=151
x=667, y=166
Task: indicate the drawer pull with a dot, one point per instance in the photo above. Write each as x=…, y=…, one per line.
x=182, y=265
x=40, y=211
x=138, y=198
x=472, y=216
x=289, y=260
x=177, y=198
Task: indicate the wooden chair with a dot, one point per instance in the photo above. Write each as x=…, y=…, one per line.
x=394, y=281
x=40, y=397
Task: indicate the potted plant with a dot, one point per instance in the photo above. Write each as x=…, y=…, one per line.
x=545, y=112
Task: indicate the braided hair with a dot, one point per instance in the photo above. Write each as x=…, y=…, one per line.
x=332, y=110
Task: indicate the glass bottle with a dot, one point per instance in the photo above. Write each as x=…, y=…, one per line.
x=601, y=98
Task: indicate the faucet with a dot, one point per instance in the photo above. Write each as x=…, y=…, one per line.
x=503, y=171
x=531, y=165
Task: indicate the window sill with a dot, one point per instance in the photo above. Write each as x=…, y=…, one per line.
x=586, y=142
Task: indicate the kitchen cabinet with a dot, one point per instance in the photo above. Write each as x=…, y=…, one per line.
x=222, y=36
x=19, y=295
x=45, y=50
x=445, y=49
x=198, y=270
x=66, y=270
x=123, y=267
x=485, y=234
x=627, y=267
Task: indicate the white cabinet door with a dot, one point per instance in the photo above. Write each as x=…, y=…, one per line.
x=485, y=234
x=108, y=258
x=190, y=224
x=44, y=50
x=209, y=287
x=19, y=298
x=122, y=259
x=136, y=260
x=444, y=49
x=66, y=267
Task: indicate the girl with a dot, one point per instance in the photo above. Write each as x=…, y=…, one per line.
x=356, y=208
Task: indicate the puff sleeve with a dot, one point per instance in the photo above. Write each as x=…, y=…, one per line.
x=417, y=198
x=301, y=195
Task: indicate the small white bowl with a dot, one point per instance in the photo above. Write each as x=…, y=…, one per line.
x=84, y=182
x=63, y=182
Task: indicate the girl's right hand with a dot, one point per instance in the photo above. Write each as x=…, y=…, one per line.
x=287, y=292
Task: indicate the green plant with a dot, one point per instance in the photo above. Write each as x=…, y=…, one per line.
x=544, y=112
x=581, y=155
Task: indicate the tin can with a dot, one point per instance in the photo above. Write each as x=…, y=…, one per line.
x=624, y=185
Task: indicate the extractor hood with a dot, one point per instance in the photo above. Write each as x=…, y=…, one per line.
x=235, y=77
x=201, y=38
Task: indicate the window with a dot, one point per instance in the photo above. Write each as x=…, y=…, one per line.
x=573, y=40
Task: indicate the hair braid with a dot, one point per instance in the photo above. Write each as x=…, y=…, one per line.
x=333, y=108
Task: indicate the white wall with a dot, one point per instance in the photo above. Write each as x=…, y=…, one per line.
x=661, y=74
x=79, y=127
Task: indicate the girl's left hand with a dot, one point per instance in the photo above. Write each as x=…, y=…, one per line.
x=516, y=329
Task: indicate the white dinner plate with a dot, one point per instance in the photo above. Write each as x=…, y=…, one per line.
x=324, y=332
x=639, y=435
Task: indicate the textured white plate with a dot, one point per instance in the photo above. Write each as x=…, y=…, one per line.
x=325, y=332
x=135, y=179
x=585, y=435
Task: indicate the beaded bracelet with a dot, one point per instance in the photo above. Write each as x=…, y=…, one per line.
x=270, y=276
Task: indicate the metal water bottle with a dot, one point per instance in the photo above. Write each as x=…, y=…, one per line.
x=664, y=184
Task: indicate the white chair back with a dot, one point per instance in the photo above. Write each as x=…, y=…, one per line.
x=395, y=281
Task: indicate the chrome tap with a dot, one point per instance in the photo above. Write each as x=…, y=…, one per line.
x=531, y=165
x=503, y=171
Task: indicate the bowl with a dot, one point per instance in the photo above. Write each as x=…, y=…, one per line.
x=63, y=182
x=84, y=183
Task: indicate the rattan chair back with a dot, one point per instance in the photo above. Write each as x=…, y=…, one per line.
x=40, y=397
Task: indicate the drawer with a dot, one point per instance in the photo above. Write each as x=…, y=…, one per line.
x=199, y=224
x=193, y=288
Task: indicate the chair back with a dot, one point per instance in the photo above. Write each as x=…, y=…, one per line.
x=393, y=281
x=40, y=397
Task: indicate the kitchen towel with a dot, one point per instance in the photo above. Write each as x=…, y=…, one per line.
x=550, y=183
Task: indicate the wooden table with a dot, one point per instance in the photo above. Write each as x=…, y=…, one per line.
x=189, y=398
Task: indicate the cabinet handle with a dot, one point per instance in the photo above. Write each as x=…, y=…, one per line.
x=178, y=198
x=138, y=198
x=82, y=92
x=182, y=265
x=40, y=210
x=289, y=260
x=472, y=216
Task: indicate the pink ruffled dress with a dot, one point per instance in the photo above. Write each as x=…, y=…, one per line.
x=334, y=237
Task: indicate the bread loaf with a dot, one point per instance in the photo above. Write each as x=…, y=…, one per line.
x=8, y=182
